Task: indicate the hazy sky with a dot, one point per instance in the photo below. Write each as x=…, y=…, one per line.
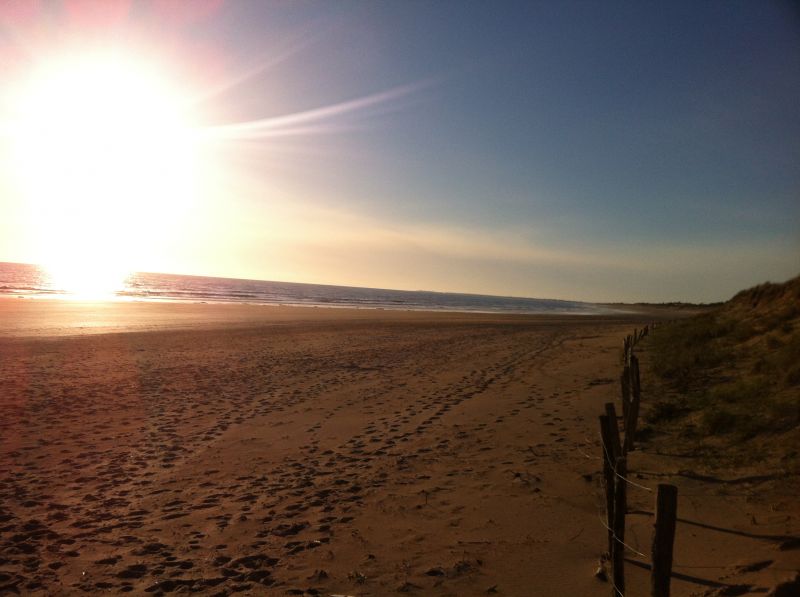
x=587, y=150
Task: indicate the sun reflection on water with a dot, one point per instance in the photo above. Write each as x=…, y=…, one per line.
x=80, y=281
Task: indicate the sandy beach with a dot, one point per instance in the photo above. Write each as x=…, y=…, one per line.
x=160, y=447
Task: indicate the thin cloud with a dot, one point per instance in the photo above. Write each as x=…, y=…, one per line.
x=318, y=120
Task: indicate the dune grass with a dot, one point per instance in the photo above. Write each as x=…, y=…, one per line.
x=730, y=379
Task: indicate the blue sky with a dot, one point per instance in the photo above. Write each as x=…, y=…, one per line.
x=587, y=150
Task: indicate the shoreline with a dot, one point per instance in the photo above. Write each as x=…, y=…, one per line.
x=603, y=309
x=53, y=316
x=203, y=289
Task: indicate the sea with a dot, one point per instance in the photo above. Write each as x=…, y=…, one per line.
x=25, y=280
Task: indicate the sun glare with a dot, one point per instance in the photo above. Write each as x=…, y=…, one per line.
x=104, y=156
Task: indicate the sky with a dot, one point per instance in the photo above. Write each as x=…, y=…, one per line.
x=614, y=151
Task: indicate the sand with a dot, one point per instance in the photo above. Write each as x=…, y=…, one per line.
x=159, y=447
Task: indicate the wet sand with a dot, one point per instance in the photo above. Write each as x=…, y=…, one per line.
x=155, y=448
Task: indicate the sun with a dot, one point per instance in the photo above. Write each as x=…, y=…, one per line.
x=104, y=157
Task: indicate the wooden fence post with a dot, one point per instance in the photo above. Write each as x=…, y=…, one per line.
x=608, y=476
x=613, y=428
x=620, y=508
x=633, y=408
x=626, y=394
x=635, y=379
x=663, y=539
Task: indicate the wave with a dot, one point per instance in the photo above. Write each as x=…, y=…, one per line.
x=24, y=279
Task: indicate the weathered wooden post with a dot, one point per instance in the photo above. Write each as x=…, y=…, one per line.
x=613, y=428
x=635, y=379
x=663, y=539
x=620, y=509
x=608, y=477
x=625, y=384
x=633, y=408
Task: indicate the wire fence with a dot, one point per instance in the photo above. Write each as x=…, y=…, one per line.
x=614, y=458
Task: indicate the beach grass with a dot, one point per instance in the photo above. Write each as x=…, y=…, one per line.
x=729, y=380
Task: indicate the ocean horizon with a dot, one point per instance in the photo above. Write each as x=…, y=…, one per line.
x=30, y=280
